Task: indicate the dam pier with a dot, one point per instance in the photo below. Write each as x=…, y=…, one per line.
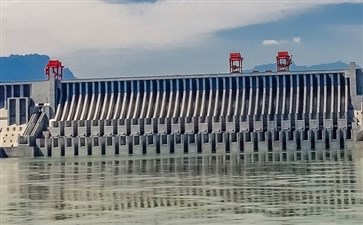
x=267, y=116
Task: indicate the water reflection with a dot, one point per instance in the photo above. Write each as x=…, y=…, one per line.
x=198, y=190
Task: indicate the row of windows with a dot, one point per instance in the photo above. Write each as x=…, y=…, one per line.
x=10, y=129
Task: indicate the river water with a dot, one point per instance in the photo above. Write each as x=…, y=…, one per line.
x=185, y=190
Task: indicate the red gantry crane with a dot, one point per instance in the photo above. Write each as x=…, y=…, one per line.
x=283, y=61
x=54, y=68
x=235, y=62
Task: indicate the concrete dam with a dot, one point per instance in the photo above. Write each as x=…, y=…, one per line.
x=263, y=116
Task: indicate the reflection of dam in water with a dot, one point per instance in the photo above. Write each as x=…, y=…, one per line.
x=181, y=188
x=276, y=115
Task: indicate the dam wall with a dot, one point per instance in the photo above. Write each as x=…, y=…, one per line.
x=275, y=115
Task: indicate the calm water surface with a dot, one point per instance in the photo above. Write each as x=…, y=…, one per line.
x=194, y=190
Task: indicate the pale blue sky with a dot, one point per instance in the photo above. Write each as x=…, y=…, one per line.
x=180, y=37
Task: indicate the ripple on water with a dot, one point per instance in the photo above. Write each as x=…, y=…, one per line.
x=196, y=190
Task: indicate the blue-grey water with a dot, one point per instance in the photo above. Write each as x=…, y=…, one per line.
x=191, y=190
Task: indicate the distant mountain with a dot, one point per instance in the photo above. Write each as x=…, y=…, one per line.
x=294, y=67
x=31, y=67
x=26, y=68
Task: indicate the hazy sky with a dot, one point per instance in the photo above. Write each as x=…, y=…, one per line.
x=103, y=38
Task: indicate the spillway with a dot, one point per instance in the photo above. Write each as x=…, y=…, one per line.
x=271, y=115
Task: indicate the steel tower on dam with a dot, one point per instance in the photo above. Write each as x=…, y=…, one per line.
x=281, y=115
